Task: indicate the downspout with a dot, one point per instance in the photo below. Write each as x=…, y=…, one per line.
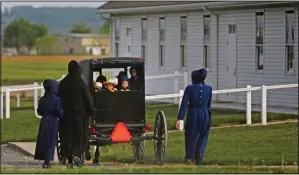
x=217, y=47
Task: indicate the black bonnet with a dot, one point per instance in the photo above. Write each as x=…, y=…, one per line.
x=74, y=68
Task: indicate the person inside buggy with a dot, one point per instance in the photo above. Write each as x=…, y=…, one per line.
x=123, y=84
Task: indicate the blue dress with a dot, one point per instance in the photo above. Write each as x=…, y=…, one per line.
x=197, y=99
x=50, y=109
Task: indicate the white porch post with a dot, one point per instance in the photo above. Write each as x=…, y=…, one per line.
x=248, y=105
x=7, y=103
x=264, y=105
x=176, y=85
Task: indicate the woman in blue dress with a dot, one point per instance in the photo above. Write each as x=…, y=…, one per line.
x=197, y=99
x=50, y=108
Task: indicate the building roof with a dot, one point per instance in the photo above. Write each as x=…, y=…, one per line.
x=134, y=4
x=84, y=35
x=115, y=7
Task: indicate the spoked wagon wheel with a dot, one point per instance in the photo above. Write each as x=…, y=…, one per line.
x=59, y=150
x=138, y=150
x=160, y=137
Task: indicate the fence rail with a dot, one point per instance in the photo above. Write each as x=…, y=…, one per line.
x=249, y=89
x=35, y=87
x=177, y=96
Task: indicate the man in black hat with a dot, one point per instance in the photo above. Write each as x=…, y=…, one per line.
x=134, y=80
x=121, y=74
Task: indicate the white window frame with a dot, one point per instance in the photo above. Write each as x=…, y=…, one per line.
x=183, y=45
x=292, y=71
x=259, y=45
x=161, y=43
x=116, y=42
x=207, y=56
x=144, y=41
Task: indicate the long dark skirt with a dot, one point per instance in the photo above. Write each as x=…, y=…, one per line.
x=76, y=135
x=46, y=139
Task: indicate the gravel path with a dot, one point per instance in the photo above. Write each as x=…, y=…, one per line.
x=12, y=158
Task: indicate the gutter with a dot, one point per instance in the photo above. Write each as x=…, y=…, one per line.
x=193, y=6
x=103, y=17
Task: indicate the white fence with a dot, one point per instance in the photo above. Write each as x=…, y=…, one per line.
x=249, y=89
x=35, y=87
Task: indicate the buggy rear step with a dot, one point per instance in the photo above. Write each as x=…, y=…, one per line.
x=134, y=139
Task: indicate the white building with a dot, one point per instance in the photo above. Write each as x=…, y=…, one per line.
x=240, y=43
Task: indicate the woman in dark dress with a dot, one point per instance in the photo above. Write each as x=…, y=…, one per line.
x=50, y=108
x=197, y=100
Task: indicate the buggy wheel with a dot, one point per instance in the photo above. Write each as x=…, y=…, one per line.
x=83, y=158
x=138, y=150
x=58, y=148
x=160, y=138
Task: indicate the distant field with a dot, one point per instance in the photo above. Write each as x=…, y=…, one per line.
x=29, y=69
x=64, y=58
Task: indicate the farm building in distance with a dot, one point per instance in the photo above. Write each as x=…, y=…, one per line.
x=92, y=44
x=240, y=43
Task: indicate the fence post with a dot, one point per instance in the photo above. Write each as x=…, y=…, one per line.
x=42, y=90
x=186, y=79
x=35, y=95
x=180, y=99
x=248, y=105
x=18, y=100
x=176, y=85
x=1, y=103
x=7, y=103
x=264, y=105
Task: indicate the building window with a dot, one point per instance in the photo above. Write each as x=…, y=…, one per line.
x=183, y=41
x=116, y=37
x=143, y=51
x=116, y=48
x=289, y=39
x=162, y=29
x=207, y=41
x=259, y=40
x=144, y=29
x=161, y=40
x=161, y=56
x=117, y=30
x=144, y=39
x=183, y=56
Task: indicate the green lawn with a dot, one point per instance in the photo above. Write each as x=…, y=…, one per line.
x=237, y=149
x=229, y=170
x=29, y=72
x=262, y=145
x=23, y=125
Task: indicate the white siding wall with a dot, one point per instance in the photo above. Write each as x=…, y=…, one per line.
x=274, y=64
x=274, y=54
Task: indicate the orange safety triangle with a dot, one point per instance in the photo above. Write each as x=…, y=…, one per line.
x=121, y=133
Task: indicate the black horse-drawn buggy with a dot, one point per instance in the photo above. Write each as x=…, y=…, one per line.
x=120, y=116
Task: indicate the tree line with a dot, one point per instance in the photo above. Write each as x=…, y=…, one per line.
x=23, y=33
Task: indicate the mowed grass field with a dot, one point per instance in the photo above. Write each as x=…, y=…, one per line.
x=23, y=124
x=235, y=147
x=29, y=69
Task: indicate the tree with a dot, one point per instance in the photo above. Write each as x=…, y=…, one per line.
x=105, y=28
x=15, y=33
x=80, y=27
x=21, y=32
x=46, y=44
x=33, y=32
